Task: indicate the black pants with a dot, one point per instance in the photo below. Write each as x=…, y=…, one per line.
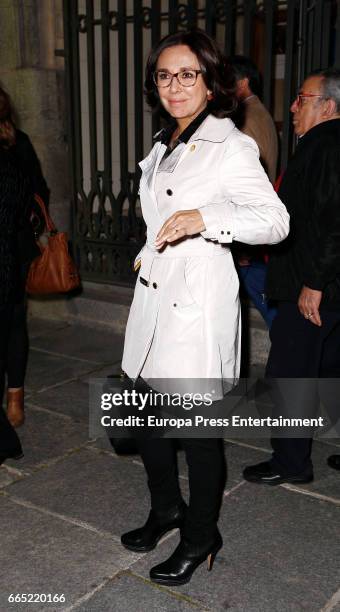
x=302, y=350
x=9, y=441
x=17, y=351
x=6, y=318
x=13, y=343
x=206, y=465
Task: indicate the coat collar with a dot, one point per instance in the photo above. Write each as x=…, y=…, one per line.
x=155, y=153
x=330, y=128
x=213, y=129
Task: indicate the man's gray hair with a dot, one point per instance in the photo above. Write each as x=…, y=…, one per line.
x=330, y=85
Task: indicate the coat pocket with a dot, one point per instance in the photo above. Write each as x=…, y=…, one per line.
x=194, y=273
x=182, y=289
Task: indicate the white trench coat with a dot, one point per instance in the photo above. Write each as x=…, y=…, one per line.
x=184, y=321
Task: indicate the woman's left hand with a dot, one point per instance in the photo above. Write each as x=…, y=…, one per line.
x=182, y=223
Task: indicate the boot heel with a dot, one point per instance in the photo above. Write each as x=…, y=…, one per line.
x=211, y=558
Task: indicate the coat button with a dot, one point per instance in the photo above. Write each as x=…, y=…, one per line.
x=228, y=233
x=193, y=147
x=154, y=285
x=175, y=305
x=222, y=232
x=169, y=192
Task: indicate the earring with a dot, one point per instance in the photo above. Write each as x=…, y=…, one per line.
x=210, y=95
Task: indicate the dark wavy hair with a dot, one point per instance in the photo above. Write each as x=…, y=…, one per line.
x=215, y=71
x=244, y=67
x=7, y=127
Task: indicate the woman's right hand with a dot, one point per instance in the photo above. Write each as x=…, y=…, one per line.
x=181, y=224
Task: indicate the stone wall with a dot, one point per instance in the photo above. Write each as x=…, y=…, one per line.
x=33, y=75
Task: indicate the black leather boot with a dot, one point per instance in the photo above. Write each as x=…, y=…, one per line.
x=147, y=537
x=186, y=558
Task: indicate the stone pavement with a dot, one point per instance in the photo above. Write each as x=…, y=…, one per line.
x=65, y=504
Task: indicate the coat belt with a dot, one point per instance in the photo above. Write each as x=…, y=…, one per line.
x=148, y=255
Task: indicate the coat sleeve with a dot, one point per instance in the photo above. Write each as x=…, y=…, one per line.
x=324, y=188
x=252, y=212
x=31, y=166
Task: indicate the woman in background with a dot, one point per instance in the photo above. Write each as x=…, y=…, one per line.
x=17, y=149
x=15, y=206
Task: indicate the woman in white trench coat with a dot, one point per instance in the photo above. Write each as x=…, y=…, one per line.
x=202, y=187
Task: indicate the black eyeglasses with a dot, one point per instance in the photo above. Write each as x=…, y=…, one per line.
x=186, y=78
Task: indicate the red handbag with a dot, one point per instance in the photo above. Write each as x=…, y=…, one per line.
x=54, y=270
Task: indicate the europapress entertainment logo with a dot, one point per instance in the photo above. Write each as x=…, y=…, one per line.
x=136, y=399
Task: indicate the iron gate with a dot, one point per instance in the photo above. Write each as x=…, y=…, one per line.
x=110, y=128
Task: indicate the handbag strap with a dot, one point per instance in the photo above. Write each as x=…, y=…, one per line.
x=48, y=221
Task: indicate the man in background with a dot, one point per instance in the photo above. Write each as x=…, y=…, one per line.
x=254, y=120
x=304, y=278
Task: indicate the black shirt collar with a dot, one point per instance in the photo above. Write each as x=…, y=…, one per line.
x=165, y=135
x=325, y=127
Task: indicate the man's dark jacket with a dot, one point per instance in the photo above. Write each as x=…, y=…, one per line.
x=310, y=189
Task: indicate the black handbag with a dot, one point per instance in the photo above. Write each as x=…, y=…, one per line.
x=122, y=446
